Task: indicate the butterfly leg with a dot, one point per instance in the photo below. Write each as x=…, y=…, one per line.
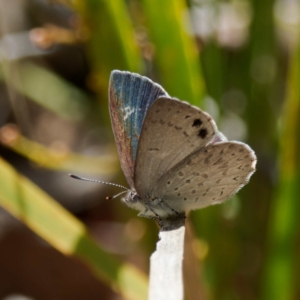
x=153, y=216
x=172, y=223
x=158, y=220
x=169, y=207
x=176, y=213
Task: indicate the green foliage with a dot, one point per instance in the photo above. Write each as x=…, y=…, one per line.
x=176, y=55
x=284, y=224
x=63, y=231
x=246, y=248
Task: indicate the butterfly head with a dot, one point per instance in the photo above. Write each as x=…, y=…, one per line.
x=133, y=200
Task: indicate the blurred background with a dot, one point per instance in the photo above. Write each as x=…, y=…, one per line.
x=239, y=60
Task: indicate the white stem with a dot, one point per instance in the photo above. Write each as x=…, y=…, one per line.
x=166, y=279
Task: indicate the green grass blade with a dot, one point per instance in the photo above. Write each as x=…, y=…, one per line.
x=176, y=53
x=64, y=232
x=49, y=90
x=112, y=43
x=280, y=280
x=106, y=164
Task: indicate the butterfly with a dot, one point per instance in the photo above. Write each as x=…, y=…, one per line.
x=173, y=156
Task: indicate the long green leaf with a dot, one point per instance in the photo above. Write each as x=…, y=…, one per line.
x=48, y=90
x=105, y=164
x=176, y=53
x=280, y=274
x=112, y=44
x=59, y=228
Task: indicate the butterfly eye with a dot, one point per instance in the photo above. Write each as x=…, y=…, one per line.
x=134, y=197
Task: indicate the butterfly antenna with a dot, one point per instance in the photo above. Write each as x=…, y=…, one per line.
x=115, y=196
x=98, y=181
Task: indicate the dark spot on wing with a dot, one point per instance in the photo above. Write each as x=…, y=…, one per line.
x=178, y=128
x=184, y=199
x=185, y=134
x=170, y=124
x=193, y=191
x=197, y=123
x=180, y=174
x=190, y=162
x=202, y=133
x=218, y=161
x=207, y=159
x=162, y=122
x=188, y=181
x=153, y=149
x=187, y=116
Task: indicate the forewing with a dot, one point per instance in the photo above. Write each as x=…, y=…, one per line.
x=130, y=97
x=172, y=130
x=208, y=176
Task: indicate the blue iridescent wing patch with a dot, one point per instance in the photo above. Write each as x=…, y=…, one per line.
x=130, y=97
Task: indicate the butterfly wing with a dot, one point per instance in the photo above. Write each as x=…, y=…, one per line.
x=171, y=131
x=130, y=97
x=183, y=159
x=208, y=176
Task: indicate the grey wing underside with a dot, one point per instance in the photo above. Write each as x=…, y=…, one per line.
x=172, y=130
x=183, y=159
x=130, y=97
x=209, y=176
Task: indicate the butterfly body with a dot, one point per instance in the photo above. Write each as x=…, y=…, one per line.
x=172, y=154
